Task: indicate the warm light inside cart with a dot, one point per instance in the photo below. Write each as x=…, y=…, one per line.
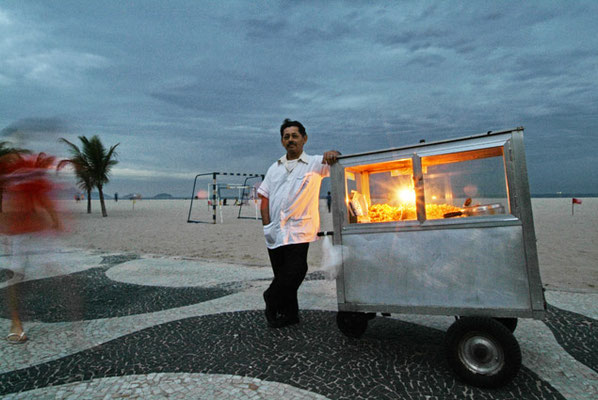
x=405, y=195
x=452, y=185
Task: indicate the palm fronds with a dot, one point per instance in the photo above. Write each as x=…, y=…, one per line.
x=92, y=164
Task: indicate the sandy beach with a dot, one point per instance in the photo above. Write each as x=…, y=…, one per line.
x=567, y=244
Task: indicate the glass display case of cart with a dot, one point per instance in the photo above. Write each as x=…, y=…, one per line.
x=428, y=187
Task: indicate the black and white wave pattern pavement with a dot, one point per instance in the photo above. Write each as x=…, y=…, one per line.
x=180, y=328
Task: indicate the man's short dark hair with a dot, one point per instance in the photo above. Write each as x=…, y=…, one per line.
x=287, y=122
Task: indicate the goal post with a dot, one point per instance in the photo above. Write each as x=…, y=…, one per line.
x=214, y=191
x=249, y=193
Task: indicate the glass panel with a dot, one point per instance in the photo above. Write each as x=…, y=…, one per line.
x=465, y=184
x=380, y=192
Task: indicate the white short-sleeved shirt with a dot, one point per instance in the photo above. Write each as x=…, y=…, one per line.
x=293, y=200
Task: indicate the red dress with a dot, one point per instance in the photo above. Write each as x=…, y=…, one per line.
x=29, y=207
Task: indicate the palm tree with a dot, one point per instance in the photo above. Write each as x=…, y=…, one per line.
x=79, y=163
x=92, y=165
x=5, y=150
x=100, y=162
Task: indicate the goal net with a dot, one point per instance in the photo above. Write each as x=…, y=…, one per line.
x=212, y=199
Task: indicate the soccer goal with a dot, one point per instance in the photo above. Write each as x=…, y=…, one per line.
x=241, y=191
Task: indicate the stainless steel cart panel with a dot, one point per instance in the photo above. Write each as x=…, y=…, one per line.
x=473, y=268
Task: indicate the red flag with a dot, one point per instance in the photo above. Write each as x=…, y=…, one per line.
x=576, y=201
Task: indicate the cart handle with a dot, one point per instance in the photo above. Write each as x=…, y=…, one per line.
x=326, y=233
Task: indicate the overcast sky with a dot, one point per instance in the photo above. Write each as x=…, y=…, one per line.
x=197, y=86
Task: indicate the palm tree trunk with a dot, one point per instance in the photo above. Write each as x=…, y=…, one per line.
x=89, y=201
x=1, y=198
x=102, y=204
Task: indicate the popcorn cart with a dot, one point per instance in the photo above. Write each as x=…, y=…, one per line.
x=441, y=228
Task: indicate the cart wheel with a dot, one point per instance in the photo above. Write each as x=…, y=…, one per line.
x=510, y=323
x=352, y=324
x=482, y=352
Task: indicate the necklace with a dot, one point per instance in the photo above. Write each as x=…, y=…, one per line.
x=290, y=165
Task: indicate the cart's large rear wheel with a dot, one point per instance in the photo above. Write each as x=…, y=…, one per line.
x=510, y=323
x=482, y=352
x=352, y=324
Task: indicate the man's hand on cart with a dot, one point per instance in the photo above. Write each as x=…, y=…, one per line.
x=330, y=157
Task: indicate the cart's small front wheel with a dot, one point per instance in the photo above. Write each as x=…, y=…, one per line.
x=482, y=351
x=352, y=324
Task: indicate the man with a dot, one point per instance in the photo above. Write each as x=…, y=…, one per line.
x=290, y=214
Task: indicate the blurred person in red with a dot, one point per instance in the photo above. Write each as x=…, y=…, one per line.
x=29, y=213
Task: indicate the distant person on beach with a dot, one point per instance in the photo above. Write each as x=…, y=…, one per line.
x=290, y=215
x=116, y=197
x=328, y=201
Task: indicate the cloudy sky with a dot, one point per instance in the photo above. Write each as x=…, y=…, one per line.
x=197, y=86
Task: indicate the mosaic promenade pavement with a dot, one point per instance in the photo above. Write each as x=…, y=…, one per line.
x=131, y=326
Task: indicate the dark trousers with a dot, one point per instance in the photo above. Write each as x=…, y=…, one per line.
x=289, y=264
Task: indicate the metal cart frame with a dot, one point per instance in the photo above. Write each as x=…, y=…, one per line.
x=482, y=268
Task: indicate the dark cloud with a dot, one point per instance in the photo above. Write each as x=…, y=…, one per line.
x=246, y=93
x=412, y=39
x=191, y=86
x=264, y=28
x=427, y=60
x=493, y=16
x=35, y=126
x=237, y=96
x=546, y=65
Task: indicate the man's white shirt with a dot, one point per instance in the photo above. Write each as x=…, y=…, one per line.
x=293, y=193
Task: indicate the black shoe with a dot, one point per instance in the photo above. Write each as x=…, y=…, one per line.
x=283, y=321
x=270, y=313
